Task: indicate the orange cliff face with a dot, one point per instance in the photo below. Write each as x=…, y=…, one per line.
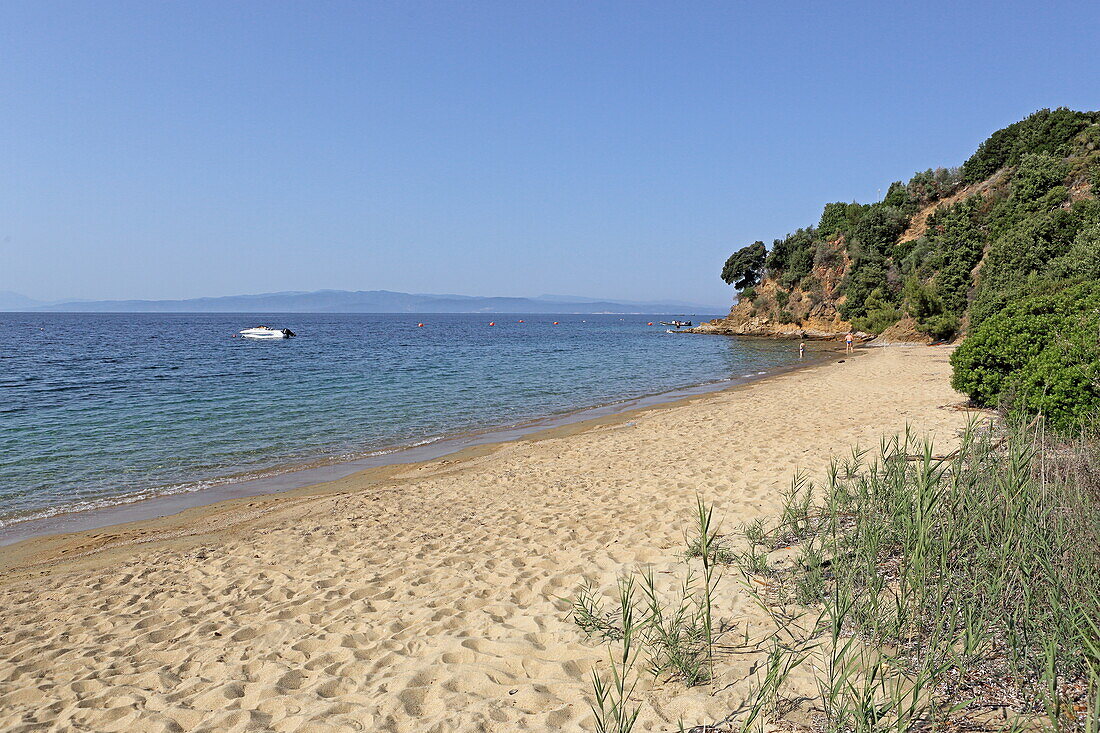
x=822, y=323
x=779, y=312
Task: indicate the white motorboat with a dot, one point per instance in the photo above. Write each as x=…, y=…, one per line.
x=266, y=332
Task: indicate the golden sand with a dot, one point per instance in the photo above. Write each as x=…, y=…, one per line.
x=431, y=597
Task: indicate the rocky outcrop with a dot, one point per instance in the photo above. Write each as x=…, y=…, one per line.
x=802, y=315
x=742, y=322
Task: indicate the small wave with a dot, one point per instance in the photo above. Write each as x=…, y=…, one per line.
x=76, y=506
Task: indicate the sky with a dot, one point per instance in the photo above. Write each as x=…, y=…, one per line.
x=602, y=149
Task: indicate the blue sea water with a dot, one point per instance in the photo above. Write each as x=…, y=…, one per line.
x=105, y=409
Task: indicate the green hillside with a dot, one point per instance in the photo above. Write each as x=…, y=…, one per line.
x=975, y=252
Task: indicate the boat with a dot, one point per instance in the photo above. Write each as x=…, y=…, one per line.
x=266, y=332
x=677, y=324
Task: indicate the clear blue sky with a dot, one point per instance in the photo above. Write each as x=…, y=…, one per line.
x=178, y=149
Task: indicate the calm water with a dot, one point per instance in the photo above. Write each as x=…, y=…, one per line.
x=104, y=409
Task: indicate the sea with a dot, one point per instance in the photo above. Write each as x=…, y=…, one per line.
x=101, y=410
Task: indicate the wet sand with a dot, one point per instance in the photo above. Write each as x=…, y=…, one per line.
x=431, y=596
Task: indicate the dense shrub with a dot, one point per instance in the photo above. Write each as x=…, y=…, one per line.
x=932, y=185
x=793, y=255
x=991, y=299
x=862, y=280
x=898, y=196
x=879, y=228
x=1082, y=258
x=1037, y=175
x=954, y=245
x=1045, y=131
x=922, y=302
x=839, y=218
x=802, y=262
x=877, y=320
x=920, y=299
x=1040, y=354
x=941, y=326
x=1035, y=253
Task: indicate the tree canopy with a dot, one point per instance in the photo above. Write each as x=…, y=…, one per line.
x=745, y=266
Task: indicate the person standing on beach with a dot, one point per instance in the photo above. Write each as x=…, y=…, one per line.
x=801, y=349
x=848, y=348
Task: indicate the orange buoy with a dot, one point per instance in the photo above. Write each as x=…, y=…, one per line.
x=492, y=323
x=420, y=325
x=555, y=323
x=521, y=320
x=650, y=323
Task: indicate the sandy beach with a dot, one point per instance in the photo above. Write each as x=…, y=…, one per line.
x=434, y=596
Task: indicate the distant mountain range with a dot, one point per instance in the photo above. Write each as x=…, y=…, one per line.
x=360, y=301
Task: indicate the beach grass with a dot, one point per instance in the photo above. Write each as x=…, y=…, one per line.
x=674, y=633
x=921, y=591
x=948, y=588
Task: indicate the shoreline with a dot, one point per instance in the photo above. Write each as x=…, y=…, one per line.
x=187, y=421
x=437, y=595
x=304, y=479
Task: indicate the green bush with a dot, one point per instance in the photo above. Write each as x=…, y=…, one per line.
x=1045, y=131
x=1040, y=354
x=898, y=196
x=1082, y=260
x=921, y=300
x=879, y=228
x=932, y=185
x=792, y=257
x=941, y=327
x=1038, y=173
x=876, y=321
x=839, y=218
x=955, y=243
x=1061, y=382
x=859, y=284
x=880, y=313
